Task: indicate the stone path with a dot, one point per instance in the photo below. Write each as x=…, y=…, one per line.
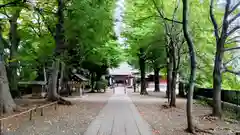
x=119, y=117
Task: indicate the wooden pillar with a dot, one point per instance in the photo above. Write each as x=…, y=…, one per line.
x=36, y=91
x=83, y=87
x=80, y=89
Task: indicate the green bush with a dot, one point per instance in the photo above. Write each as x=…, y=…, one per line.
x=102, y=84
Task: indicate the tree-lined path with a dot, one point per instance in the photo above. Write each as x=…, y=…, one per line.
x=59, y=51
x=119, y=117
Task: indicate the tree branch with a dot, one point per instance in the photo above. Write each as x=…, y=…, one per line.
x=161, y=14
x=5, y=43
x=179, y=58
x=232, y=72
x=145, y=18
x=225, y=24
x=185, y=52
x=175, y=21
x=234, y=8
x=39, y=35
x=213, y=20
x=234, y=41
x=234, y=18
x=13, y=3
x=233, y=30
x=5, y=13
x=231, y=49
x=45, y=22
x=174, y=14
x=225, y=64
x=179, y=46
x=39, y=24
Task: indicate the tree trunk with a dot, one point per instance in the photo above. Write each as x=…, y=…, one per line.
x=169, y=77
x=52, y=92
x=134, y=84
x=98, y=78
x=156, y=79
x=218, y=62
x=217, y=81
x=142, y=70
x=173, y=89
x=192, y=56
x=14, y=40
x=59, y=37
x=60, y=46
x=7, y=103
x=174, y=76
x=60, y=82
x=92, y=81
x=181, y=89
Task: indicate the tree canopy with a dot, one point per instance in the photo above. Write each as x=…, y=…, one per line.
x=144, y=24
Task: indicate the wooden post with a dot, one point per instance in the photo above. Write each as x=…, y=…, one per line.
x=125, y=83
x=1, y=127
x=80, y=89
x=31, y=113
x=36, y=108
x=41, y=111
x=83, y=88
x=55, y=106
x=113, y=89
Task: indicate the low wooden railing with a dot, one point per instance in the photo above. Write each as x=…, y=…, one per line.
x=30, y=111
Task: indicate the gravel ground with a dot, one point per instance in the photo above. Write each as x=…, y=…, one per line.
x=67, y=120
x=172, y=121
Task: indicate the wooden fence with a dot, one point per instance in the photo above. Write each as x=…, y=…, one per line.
x=30, y=112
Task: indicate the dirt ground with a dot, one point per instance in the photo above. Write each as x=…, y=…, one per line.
x=172, y=121
x=65, y=120
x=26, y=104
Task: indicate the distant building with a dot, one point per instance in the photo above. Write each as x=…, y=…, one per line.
x=121, y=74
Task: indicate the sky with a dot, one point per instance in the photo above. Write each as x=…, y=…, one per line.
x=118, y=20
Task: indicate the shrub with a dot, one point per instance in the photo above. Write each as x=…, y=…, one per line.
x=102, y=84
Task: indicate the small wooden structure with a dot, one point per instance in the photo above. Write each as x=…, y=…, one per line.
x=37, y=88
x=78, y=83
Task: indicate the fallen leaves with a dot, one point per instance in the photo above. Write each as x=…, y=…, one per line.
x=69, y=119
x=168, y=121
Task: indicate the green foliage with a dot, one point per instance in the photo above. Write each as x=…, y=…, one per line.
x=91, y=42
x=144, y=25
x=90, y=38
x=101, y=85
x=144, y=30
x=88, y=35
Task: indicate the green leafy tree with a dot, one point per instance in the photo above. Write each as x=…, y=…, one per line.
x=145, y=35
x=59, y=32
x=225, y=42
x=12, y=43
